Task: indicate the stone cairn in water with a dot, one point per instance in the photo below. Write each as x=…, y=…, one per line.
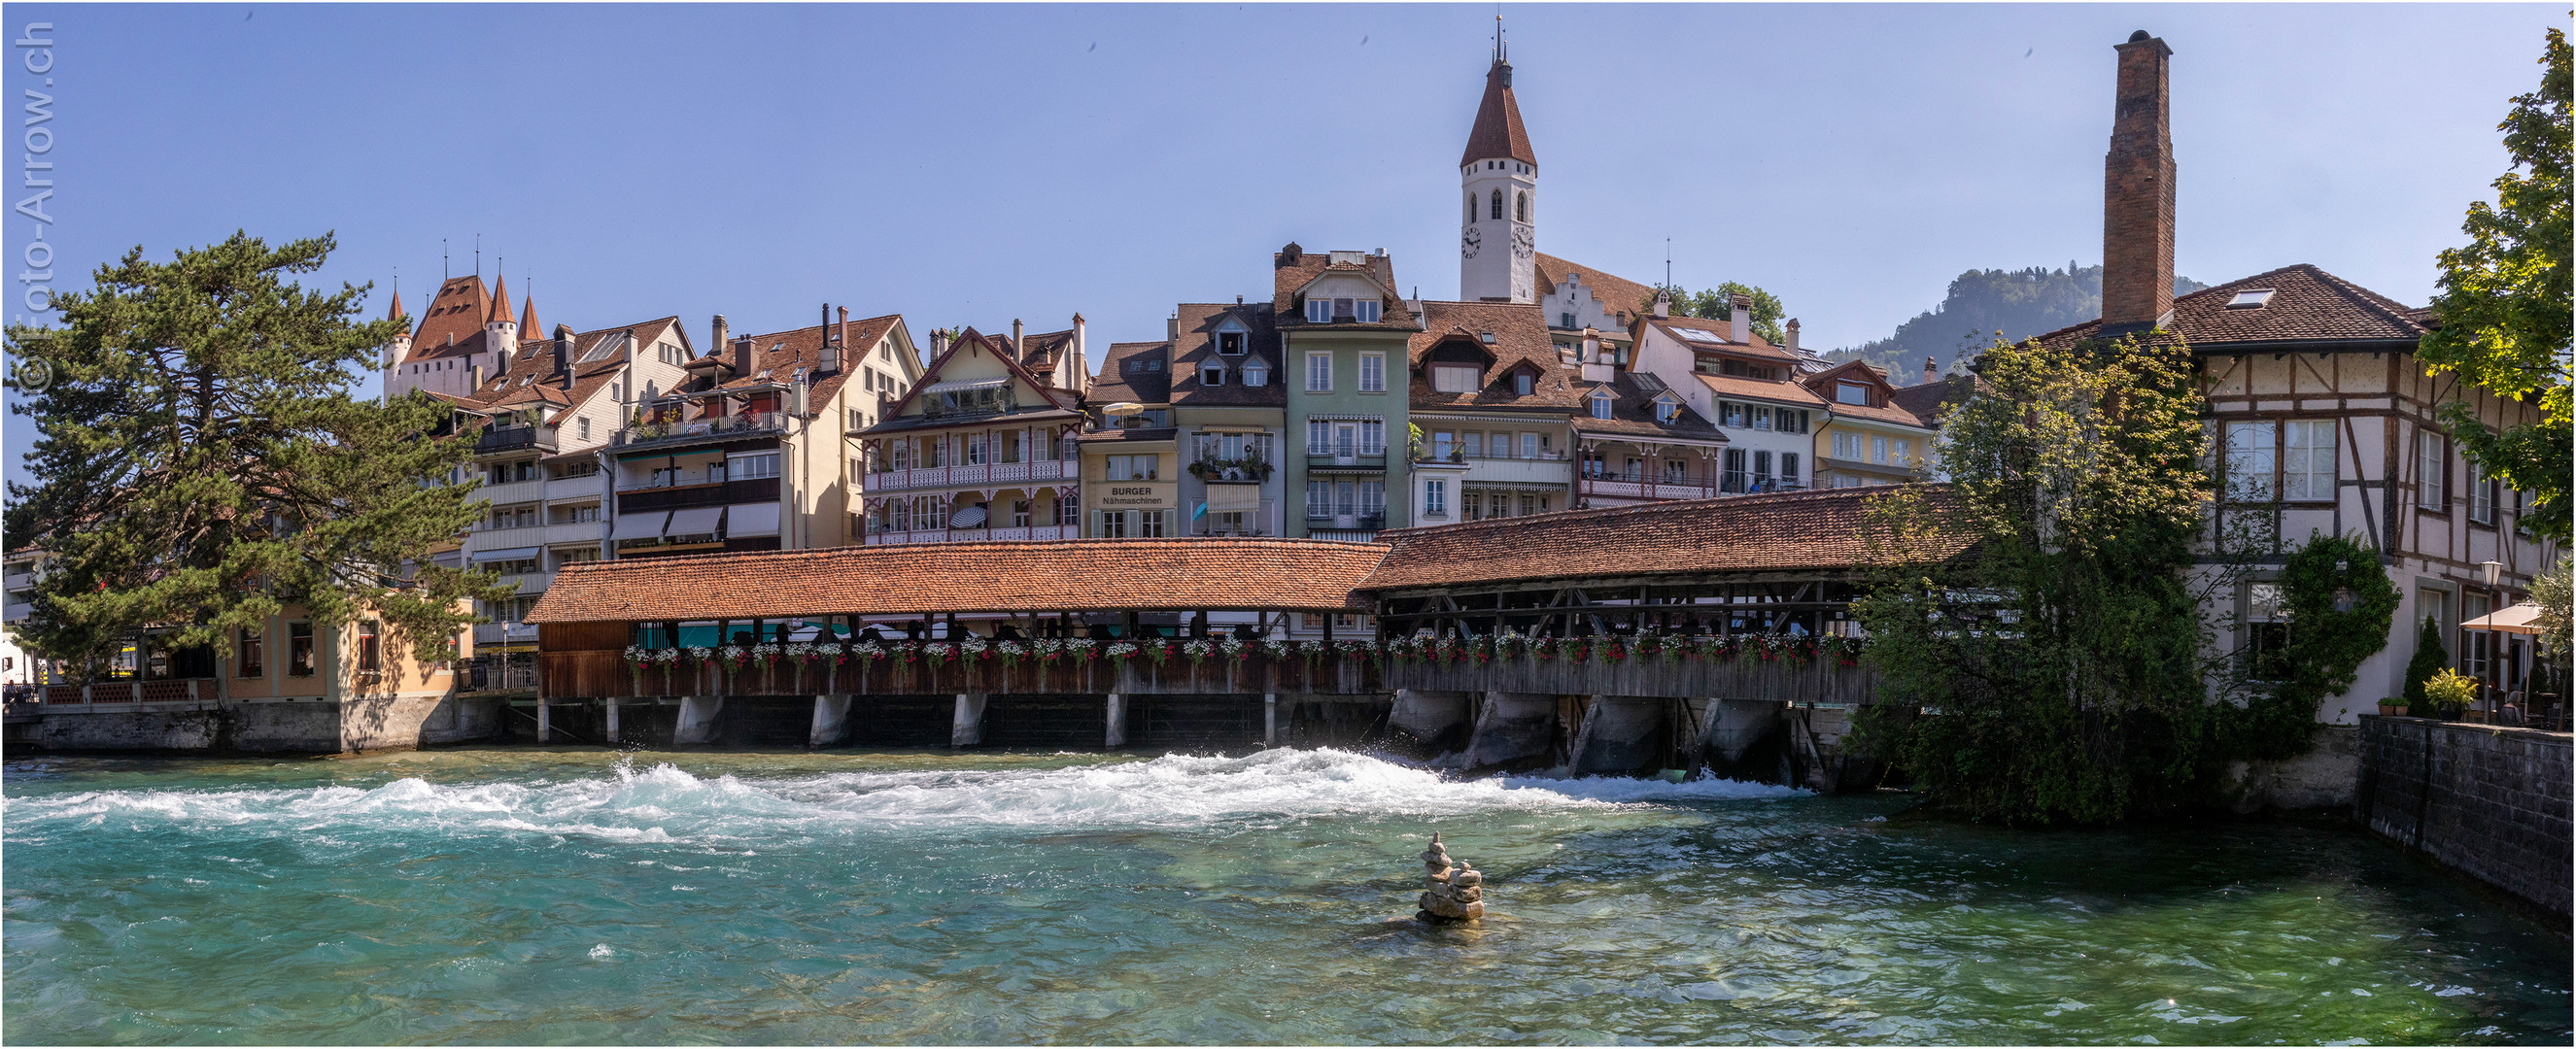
x=1454, y=894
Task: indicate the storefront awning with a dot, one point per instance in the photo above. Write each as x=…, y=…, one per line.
x=695, y=520
x=751, y=519
x=1227, y=498
x=645, y=525
x=954, y=385
x=516, y=553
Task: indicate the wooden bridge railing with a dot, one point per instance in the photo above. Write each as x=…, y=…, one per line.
x=1823, y=678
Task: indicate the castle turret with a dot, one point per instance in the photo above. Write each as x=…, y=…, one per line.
x=1498, y=250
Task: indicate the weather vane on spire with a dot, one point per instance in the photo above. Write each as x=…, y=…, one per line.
x=1501, y=53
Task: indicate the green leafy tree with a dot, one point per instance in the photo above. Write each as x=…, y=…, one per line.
x=1718, y=304
x=2064, y=652
x=200, y=462
x=2339, y=604
x=2553, y=593
x=2505, y=306
x=2430, y=658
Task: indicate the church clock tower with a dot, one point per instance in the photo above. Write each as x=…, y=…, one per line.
x=1498, y=242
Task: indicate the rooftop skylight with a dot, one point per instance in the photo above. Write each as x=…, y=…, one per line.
x=2250, y=299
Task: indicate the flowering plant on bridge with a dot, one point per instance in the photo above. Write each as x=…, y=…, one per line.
x=939, y=652
x=1845, y=650
x=867, y=650
x=1198, y=650
x=975, y=649
x=732, y=655
x=1011, y=652
x=1235, y=649
x=765, y=654
x=1122, y=651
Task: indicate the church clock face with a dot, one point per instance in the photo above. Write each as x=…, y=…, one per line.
x=1474, y=239
x=1524, y=243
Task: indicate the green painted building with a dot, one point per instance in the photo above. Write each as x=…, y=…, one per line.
x=1344, y=334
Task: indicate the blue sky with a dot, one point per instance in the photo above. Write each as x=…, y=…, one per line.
x=968, y=164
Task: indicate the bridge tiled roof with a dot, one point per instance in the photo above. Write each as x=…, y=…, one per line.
x=1084, y=575
x=1816, y=531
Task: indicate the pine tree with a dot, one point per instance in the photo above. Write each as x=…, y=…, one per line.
x=201, y=462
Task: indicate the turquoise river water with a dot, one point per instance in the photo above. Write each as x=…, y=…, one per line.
x=545, y=896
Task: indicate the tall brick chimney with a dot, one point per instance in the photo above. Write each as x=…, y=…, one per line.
x=2138, y=193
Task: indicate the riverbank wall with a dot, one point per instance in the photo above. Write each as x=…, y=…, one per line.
x=2492, y=803
x=263, y=726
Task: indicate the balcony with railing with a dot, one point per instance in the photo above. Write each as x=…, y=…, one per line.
x=969, y=476
x=1346, y=453
x=655, y=433
x=499, y=439
x=1346, y=522
x=974, y=535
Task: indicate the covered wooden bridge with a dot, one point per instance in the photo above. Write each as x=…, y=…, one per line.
x=1670, y=604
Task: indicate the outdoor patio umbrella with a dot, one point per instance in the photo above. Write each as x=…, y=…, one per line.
x=2513, y=619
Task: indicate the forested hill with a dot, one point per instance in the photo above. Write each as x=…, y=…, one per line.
x=2018, y=303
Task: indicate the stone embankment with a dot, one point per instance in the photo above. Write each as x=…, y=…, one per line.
x=2490, y=802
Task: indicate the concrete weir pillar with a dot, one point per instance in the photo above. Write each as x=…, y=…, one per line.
x=1270, y=719
x=1744, y=738
x=1437, y=720
x=1515, y=727
x=831, y=719
x=545, y=721
x=967, y=728
x=1117, y=734
x=612, y=721
x=697, y=720
x=1619, y=734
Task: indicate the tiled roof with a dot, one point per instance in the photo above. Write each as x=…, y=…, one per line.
x=1126, y=374
x=780, y=353
x=453, y=320
x=1759, y=389
x=530, y=380
x=1788, y=531
x=500, y=303
x=1038, y=352
x=1632, y=413
x=1520, y=336
x=528, y=326
x=1928, y=400
x=1756, y=346
x=2307, y=305
x=1290, y=272
x=1498, y=131
x=1617, y=294
x=1199, y=321
x=1043, y=577
x=1860, y=371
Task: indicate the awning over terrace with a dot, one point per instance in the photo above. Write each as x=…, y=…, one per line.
x=1082, y=575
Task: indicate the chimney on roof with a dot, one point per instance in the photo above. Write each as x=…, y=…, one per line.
x=1292, y=254
x=1739, y=318
x=1663, y=303
x=837, y=344
x=742, y=357
x=563, y=353
x=1078, y=369
x=2138, y=192
x=1172, y=327
x=716, y=335
x=1019, y=331
x=1792, y=329
x=938, y=342
x=1931, y=369
x=473, y=379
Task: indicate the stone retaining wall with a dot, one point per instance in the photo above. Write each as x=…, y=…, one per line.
x=2492, y=803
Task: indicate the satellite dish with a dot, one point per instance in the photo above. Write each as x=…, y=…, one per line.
x=1123, y=408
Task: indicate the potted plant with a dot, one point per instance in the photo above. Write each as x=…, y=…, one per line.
x=2392, y=706
x=2451, y=693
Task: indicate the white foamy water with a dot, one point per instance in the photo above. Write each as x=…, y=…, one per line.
x=667, y=803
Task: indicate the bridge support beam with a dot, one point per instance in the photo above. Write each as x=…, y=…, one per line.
x=1270, y=719
x=1744, y=737
x=1440, y=721
x=545, y=721
x=697, y=720
x=1116, y=736
x=612, y=721
x=1620, y=734
x=1515, y=728
x=967, y=728
x=831, y=720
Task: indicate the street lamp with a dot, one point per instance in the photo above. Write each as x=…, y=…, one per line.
x=2490, y=571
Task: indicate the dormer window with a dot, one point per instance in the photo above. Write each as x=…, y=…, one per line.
x=1665, y=411
x=1212, y=374
x=1601, y=404
x=1229, y=343
x=1455, y=378
x=1319, y=311
x=1256, y=373
x=1851, y=393
x=1365, y=311
x=1524, y=384
x=1345, y=308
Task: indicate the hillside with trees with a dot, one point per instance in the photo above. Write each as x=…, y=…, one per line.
x=2019, y=303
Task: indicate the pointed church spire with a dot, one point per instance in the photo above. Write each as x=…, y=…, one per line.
x=395, y=313
x=500, y=301
x=1498, y=134
x=528, y=318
